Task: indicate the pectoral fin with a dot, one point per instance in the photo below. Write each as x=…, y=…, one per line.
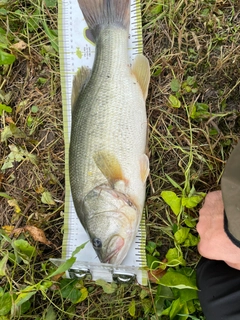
x=109, y=165
x=141, y=70
x=79, y=81
x=144, y=167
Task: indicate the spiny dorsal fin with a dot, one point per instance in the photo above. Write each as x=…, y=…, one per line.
x=79, y=81
x=100, y=13
x=141, y=70
x=109, y=165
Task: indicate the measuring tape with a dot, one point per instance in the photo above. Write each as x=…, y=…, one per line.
x=77, y=49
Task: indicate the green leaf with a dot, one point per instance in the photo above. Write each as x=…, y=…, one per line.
x=51, y=3
x=5, y=195
x=84, y=295
x=5, y=108
x=175, y=85
x=174, y=279
x=24, y=250
x=6, y=58
x=3, y=265
x=175, y=308
x=181, y=235
x=25, y=307
x=51, y=314
x=174, y=102
x=79, y=248
x=193, y=201
x=151, y=246
x=191, y=223
x=191, y=241
x=69, y=291
x=175, y=257
x=5, y=302
x=187, y=294
x=25, y=295
x=47, y=198
x=63, y=267
x=172, y=200
x=152, y=262
x=132, y=308
x=34, y=109
x=107, y=287
x=174, y=183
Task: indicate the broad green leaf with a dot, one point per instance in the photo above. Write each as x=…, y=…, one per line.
x=132, y=308
x=34, y=109
x=193, y=201
x=187, y=294
x=6, y=134
x=175, y=308
x=151, y=246
x=5, y=303
x=174, y=279
x=175, y=257
x=172, y=200
x=174, y=102
x=191, y=241
x=181, y=235
x=47, y=198
x=3, y=265
x=51, y=314
x=25, y=307
x=69, y=291
x=6, y=58
x=63, y=267
x=25, y=295
x=152, y=262
x=5, y=108
x=175, y=85
x=107, y=287
x=84, y=295
x=18, y=154
x=24, y=249
x=51, y=3
x=191, y=223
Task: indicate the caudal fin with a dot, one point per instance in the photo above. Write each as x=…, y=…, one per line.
x=101, y=13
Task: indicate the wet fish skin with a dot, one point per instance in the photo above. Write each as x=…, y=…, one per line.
x=107, y=160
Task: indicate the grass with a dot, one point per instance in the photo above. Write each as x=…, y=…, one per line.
x=194, y=121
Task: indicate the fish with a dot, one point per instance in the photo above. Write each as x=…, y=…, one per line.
x=108, y=162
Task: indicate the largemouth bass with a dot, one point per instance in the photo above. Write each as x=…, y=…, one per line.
x=108, y=161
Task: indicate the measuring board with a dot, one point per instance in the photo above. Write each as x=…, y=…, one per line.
x=76, y=49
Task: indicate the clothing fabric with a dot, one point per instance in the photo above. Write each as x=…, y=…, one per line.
x=219, y=284
x=219, y=290
x=230, y=185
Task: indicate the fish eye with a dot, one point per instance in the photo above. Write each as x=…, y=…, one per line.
x=97, y=243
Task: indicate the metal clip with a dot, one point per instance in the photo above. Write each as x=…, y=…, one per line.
x=83, y=273
x=120, y=277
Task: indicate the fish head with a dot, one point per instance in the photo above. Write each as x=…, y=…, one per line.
x=111, y=220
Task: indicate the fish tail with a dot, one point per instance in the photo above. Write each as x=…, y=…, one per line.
x=101, y=13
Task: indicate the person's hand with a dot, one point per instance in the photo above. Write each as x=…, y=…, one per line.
x=214, y=243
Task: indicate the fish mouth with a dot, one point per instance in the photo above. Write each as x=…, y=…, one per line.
x=112, y=257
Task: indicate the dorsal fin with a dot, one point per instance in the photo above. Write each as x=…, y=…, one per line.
x=79, y=81
x=141, y=70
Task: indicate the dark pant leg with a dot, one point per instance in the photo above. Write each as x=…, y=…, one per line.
x=219, y=287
